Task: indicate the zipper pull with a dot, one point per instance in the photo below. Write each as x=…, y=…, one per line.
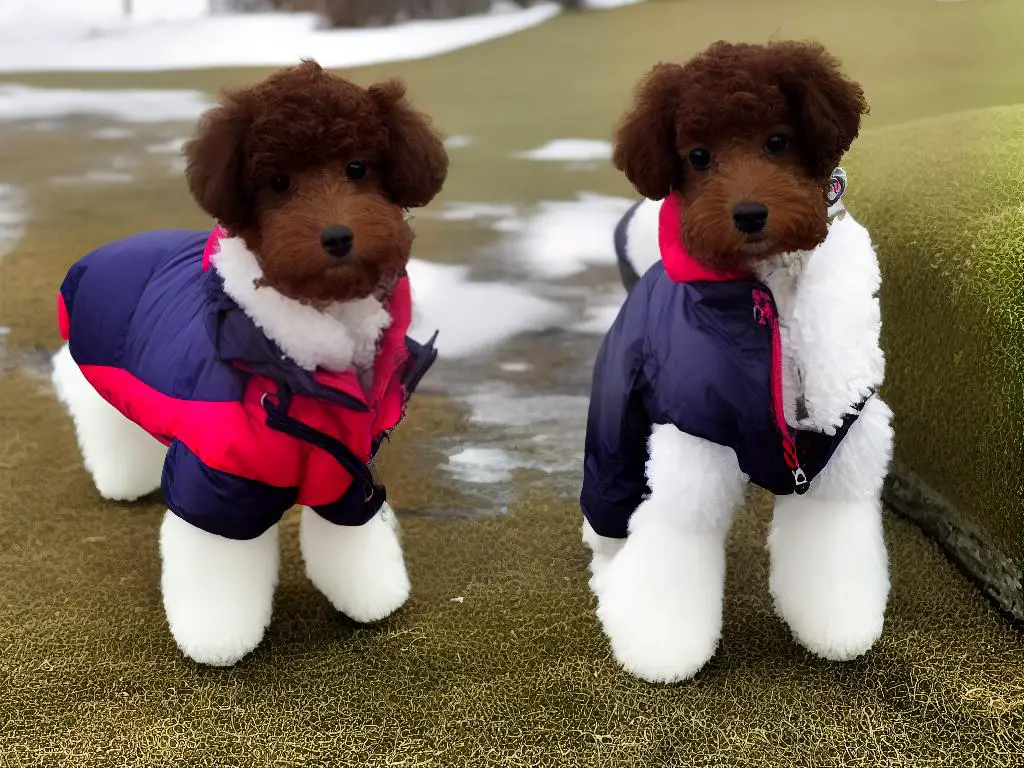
x=800, y=482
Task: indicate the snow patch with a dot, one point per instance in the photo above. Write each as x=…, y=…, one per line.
x=569, y=150
x=516, y=367
x=94, y=177
x=12, y=217
x=482, y=465
x=599, y=317
x=472, y=316
x=605, y=4
x=473, y=211
x=111, y=134
x=171, y=147
x=561, y=238
x=458, y=141
x=80, y=39
x=500, y=406
x=22, y=102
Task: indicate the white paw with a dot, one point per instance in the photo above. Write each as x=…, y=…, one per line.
x=218, y=593
x=360, y=569
x=660, y=604
x=829, y=575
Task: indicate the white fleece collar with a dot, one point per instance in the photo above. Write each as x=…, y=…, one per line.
x=342, y=337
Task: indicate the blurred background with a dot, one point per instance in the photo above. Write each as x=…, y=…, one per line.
x=514, y=265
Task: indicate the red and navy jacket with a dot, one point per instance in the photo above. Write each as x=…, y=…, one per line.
x=700, y=350
x=249, y=432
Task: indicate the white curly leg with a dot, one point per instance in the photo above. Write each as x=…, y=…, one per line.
x=359, y=568
x=218, y=592
x=829, y=568
x=124, y=460
x=660, y=597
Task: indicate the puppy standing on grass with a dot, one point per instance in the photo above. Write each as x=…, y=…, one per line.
x=749, y=351
x=261, y=366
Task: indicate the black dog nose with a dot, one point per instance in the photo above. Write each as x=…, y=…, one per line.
x=750, y=217
x=337, y=240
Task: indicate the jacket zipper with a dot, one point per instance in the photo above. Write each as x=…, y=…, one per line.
x=765, y=314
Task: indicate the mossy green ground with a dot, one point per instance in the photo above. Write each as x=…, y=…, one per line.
x=517, y=673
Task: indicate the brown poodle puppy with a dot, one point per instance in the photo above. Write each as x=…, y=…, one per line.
x=313, y=172
x=265, y=361
x=748, y=352
x=748, y=135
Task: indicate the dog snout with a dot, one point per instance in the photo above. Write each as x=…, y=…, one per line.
x=337, y=240
x=750, y=217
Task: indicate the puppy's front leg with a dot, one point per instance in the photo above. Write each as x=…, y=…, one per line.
x=218, y=593
x=359, y=568
x=829, y=568
x=602, y=549
x=660, y=597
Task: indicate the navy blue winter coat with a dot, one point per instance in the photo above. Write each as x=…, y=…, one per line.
x=699, y=350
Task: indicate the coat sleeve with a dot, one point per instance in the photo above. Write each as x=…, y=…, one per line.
x=615, y=451
x=218, y=502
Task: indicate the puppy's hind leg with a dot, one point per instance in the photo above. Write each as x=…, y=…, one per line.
x=829, y=568
x=124, y=460
x=660, y=596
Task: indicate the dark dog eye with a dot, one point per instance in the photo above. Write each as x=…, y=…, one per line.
x=776, y=144
x=355, y=170
x=280, y=184
x=700, y=159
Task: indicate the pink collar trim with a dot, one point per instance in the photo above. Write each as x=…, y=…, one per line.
x=213, y=245
x=680, y=266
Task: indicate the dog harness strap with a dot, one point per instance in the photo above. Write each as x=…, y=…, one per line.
x=278, y=419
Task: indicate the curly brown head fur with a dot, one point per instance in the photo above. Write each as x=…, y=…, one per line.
x=742, y=133
x=283, y=161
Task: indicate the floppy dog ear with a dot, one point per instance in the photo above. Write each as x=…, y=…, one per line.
x=645, y=140
x=827, y=105
x=215, y=164
x=416, y=163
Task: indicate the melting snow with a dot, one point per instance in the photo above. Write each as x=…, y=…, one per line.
x=567, y=150
x=22, y=102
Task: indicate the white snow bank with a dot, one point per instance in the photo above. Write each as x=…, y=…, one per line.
x=32, y=41
x=21, y=102
x=12, y=217
x=472, y=316
x=567, y=150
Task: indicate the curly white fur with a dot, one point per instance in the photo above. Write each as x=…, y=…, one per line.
x=338, y=338
x=218, y=592
x=660, y=590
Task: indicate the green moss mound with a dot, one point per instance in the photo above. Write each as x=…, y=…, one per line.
x=944, y=200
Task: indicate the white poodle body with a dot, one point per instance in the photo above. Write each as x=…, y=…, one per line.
x=218, y=591
x=660, y=588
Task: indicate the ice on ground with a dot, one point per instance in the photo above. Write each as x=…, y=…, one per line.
x=171, y=147
x=599, y=317
x=32, y=40
x=458, y=141
x=12, y=217
x=602, y=4
x=94, y=177
x=499, y=405
x=560, y=238
x=472, y=316
x=568, y=150
x=22, y=102
x=111, y=133
x=473, y=211
x=516, y=366
x=482, y=465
